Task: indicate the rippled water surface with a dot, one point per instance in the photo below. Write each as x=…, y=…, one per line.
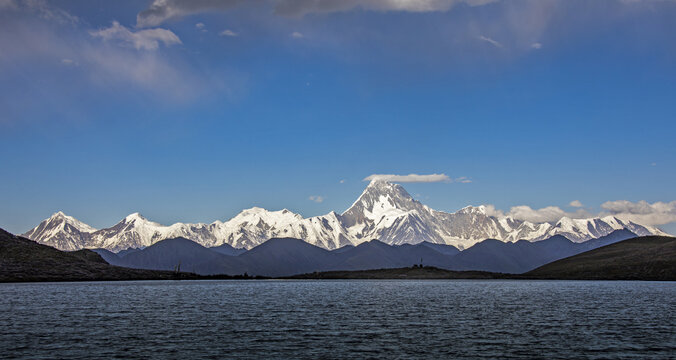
x=338, y=319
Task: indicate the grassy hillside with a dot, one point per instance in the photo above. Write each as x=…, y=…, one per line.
x=643, y=258
x=25, y=260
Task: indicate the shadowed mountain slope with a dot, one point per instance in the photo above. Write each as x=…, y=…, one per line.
x=284, y=257
x=190, y=256
x=642, y=258
x=378, y=255
x=287, y=256
x=25, y=260
x=522, y=256
x=227, y=249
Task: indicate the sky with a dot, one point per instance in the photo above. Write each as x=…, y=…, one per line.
x=194, y=110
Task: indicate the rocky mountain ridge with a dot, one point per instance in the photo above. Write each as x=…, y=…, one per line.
x=384, y=211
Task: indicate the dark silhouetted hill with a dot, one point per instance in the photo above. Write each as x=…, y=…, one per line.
x=642, y=258
x=190, y=256
x=409, y=273
x=25, y=260
x=521, y=256
x=227, y=249
x=284, y=257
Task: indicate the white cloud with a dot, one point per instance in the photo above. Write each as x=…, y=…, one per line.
x=303, y=7
x=160, y=11
x=550, y=214
x=228, y=32
x=297, y=35
x=201, y=27
x=576, y=203
x=490, y=41
x=316, y=198
x=410, y=178
x=536, y=46
x=642, y=212
x=69, y=62
x=163, y=10
x=545, y=214
x=463, y=180
x=492, y=211
x=142, y=39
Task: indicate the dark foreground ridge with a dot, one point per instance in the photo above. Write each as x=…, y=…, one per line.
x=411, y=273
x=650, y=258
x=23, y=260
x=642, y=258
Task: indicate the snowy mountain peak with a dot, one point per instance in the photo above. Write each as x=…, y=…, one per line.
x=57, y=215
x=387, y=212
x=384, y=211
x=380, y=196
x=481, y=209
x=61, y=231
x=613, y=221
x=383, y=186
x=254, y=210
x=133, y=217
x=61, y=219
x=267, y=215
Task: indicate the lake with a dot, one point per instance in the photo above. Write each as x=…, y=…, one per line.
x=396, y=319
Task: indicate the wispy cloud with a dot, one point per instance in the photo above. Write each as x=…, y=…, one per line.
x=316, y=198
x=491, y=41
x=106, y=58
x=228, y=32
x=69, y=62
x=297, y=35
x=148, y=39
x=201, y=27
x=50, y=13
x=160, y=11
x=410, y=178
x=304, y=7
x=576, y=203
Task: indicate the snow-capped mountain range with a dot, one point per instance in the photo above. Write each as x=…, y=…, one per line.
x=384, y=211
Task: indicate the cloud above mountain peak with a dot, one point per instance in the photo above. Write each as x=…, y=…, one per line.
x=643, y=212
x=410, y=178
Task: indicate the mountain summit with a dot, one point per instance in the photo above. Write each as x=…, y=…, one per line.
x=62, y=232
x=384, y=211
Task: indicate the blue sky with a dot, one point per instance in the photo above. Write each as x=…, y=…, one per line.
x=193, y=111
